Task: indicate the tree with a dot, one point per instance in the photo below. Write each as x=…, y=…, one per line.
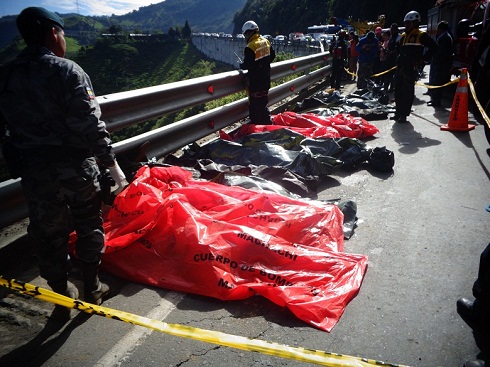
x=186, y=31
x=171, y=33
x=115, y=29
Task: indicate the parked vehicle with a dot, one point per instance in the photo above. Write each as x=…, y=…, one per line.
x=280, y=38
x=296, y=36
x=327, y=38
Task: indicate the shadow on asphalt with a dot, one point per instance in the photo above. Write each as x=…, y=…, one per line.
x=44, y=345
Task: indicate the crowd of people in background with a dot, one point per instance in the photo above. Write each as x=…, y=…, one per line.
x=370, y=54
x=391, y=58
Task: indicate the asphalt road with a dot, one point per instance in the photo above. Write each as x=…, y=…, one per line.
x=423, y=228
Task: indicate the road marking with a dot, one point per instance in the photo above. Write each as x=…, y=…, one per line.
x=134, y=338
x=123, y=349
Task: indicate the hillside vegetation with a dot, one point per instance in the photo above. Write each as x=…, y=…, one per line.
x=116, y=66
x=284, y=17
x=202, y=15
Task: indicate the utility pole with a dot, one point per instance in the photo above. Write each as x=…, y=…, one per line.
x=78, y=6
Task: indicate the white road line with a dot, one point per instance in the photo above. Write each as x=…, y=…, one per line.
x=134, y=338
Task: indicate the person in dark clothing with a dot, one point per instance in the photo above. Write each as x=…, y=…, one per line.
x=476, y=313
x=391, y=54
x=480, y=71
x=410, y=52
x=338, y=50
x=368, y=48
x=258, y=55
x=52, y=139
x=440, y=67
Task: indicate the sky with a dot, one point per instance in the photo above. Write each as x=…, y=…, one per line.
x=84, y=7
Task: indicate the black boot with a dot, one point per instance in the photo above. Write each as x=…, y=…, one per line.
x=94, y=289
x=60, y=313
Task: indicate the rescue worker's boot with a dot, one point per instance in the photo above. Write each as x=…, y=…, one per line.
x=60, y=313
x=94, y=289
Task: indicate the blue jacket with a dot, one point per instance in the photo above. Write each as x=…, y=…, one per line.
x=368, y=49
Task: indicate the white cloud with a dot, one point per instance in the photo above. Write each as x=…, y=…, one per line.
x=92, y=7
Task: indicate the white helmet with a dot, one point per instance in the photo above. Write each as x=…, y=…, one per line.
x=411, y=16
x=250, y=25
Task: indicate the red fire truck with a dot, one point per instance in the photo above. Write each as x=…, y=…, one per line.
x=466, y=20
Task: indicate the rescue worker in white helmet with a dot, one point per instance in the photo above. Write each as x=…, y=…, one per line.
x=410, y=49
x=258, y=55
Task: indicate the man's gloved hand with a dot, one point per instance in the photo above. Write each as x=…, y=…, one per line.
x=118, y=176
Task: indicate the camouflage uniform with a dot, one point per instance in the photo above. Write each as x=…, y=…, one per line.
x=53, y=122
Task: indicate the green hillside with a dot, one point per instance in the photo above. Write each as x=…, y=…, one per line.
x=119, y=66
x=116, y=66
x=284, y=17
x=202, y=15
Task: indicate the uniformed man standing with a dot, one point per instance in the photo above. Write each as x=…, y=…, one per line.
x=410, y=54
x=258, y=55
x=53, y=135
x=338, y=50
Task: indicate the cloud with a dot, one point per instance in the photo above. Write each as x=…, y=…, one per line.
x=91, y=7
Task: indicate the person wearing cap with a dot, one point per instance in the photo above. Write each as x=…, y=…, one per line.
x=338, y=50
x=410, y=49
x=53, y=139
x=258, y=55
x=368, y=48
x=441, y=63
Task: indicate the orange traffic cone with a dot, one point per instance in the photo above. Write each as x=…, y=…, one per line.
x=458, y=120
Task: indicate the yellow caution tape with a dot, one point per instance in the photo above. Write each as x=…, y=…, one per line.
x=209, y=336
x=383, y=73
x=349, y=72
x=437, y=86
x=478, y=104
x=372, y=76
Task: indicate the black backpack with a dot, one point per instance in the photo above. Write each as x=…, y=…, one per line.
x=382, y=159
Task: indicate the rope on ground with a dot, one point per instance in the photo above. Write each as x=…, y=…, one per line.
x=239, y=342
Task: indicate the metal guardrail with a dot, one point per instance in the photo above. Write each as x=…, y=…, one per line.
x=124, y=109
